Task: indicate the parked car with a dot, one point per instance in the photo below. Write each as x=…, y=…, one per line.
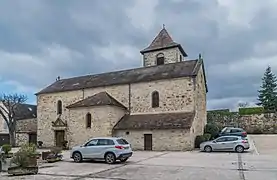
x=226, y=143
x=109, y=149
x=232, y=131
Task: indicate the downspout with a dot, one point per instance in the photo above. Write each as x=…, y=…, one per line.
x=129, y=98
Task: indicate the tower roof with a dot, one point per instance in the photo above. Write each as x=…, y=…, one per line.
x=163, y=41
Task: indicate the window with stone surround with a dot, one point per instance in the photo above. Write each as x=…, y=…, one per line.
x=88, y=120
x=59, y=107
x=160, y=59
x=155, y=99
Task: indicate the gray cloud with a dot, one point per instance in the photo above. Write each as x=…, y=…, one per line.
x=43, y=39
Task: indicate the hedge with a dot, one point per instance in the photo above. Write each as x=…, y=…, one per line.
x=251, y=110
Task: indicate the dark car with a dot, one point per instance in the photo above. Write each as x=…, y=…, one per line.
x=232, y=131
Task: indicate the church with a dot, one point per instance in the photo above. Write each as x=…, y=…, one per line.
x=160, y=106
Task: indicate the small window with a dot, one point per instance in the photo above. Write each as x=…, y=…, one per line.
x=105, y=142
x=92, y=142
x=88, y=120
x=155, y=99
x=122, y=141
x=181, y=58
x=59, y=107
x=160, y=59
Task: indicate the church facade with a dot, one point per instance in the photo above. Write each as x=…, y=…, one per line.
x=160, y=106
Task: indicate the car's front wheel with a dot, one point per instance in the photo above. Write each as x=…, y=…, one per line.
x=208, y=149
x=110, y=158
x=77, y=157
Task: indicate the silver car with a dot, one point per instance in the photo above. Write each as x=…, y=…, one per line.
x=109, y=149
x=226, y=143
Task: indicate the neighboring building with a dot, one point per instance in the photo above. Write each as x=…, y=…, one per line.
x=26, y=124
x=161, y=106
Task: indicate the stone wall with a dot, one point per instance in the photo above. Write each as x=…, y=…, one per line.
x=26, y=125
x=171, y=55
x=21, y=138
x=176, y=95
x=255, y=123
x=103, y=119
x=162, y=140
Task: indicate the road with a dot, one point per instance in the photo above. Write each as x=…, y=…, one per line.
x=259, y=163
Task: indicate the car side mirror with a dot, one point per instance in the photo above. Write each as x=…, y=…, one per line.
x=214, y=141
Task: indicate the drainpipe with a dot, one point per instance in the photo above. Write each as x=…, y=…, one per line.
x=129, y=98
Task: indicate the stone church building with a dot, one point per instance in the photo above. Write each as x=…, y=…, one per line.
x=160, y=106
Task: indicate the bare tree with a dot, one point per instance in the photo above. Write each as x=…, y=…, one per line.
x=243, y=104
x=9, y=113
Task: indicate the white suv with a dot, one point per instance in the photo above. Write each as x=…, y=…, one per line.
x=109, y=149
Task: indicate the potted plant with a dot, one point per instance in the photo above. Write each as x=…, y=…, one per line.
x=5, y=158
x=55, y=155
x=6, y=148
x=65, y=145
x=25, y=161
x=40, y=143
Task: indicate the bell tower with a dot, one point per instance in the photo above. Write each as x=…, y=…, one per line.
x=162, y=50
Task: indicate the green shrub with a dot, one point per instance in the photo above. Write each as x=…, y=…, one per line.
x=23, y=156
x=198, y=140
x=207, y=136
x=251, y=110
x=211, y=129
x=6, y=148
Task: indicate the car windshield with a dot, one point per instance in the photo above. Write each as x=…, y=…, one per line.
x=122, y=141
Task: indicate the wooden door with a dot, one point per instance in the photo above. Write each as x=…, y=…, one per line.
x=59, y=136
x=33, y=138
x=148, y=142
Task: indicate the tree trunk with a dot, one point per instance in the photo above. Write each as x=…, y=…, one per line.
x=12, y=137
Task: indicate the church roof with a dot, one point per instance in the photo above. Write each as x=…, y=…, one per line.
x=99, y=99
x=156, y=121
x=163, y=41
x=186, y=68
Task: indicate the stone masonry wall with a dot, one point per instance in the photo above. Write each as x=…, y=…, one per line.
x=26, y=125
x=21, y=138
x=200, y=103
x=163, y=140
x=255, y=123
x=171, y=56
x=176, y=95
x=103, y=119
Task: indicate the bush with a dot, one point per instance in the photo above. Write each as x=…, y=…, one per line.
x=207, y=136
x=251, y=110
x=6, y=148
x=211, y=129
x=198, y=140
x=24, y=156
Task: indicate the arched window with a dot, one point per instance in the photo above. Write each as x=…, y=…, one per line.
x=59, y=107
x=155, y=99
x=160, y=59
x=88, y=120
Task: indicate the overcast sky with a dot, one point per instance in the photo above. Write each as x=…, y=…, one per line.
x=43, y=39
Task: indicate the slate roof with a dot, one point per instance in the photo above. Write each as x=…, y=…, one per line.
x=167, y=71
x=24, y=111
x=156, y=121
x=99, y=99
x=163, y=41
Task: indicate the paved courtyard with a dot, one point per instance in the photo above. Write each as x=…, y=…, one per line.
x=259, y=163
